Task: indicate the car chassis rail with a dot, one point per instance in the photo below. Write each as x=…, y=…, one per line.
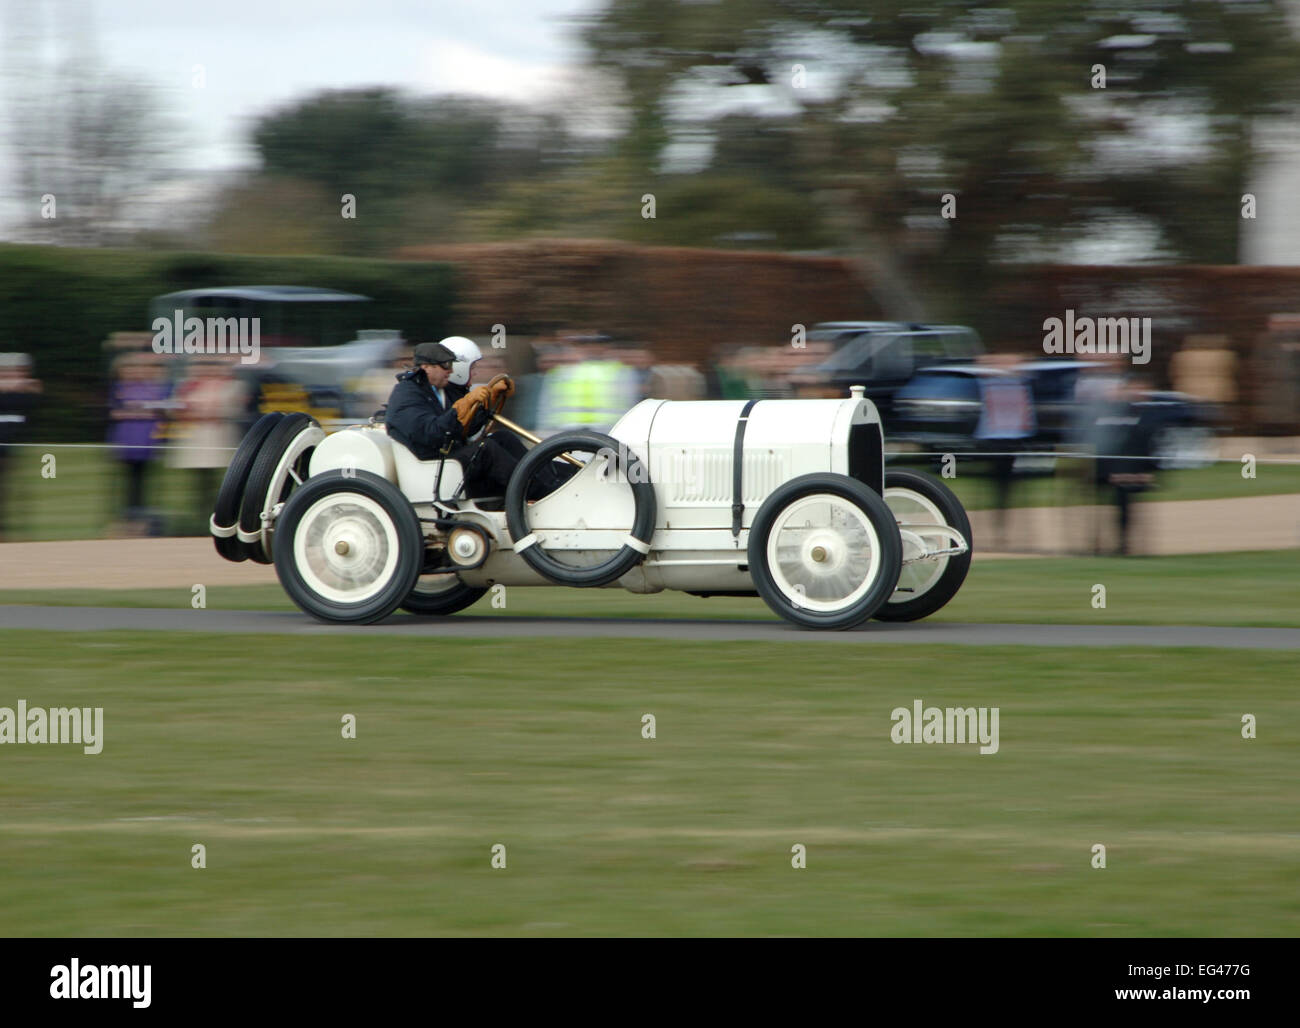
x=912, y=539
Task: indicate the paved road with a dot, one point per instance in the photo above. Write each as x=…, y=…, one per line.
x=463, y=626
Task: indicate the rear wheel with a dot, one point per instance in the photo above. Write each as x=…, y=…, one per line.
x=919, y=502
x=824, y=551
x=441, y=594
x=349, y=547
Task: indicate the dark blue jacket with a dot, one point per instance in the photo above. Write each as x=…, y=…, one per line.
x=416, y=419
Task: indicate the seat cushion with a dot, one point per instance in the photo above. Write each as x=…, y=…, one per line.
x=416, y=477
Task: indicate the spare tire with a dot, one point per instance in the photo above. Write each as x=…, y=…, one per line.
x=260, y=478
x=225, y=515
x=625, y=463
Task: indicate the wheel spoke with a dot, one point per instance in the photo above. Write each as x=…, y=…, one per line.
x=823, y=553
x=911, y=508
x=346, y=548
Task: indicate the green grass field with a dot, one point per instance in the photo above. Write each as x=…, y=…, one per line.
x=758, y=748
x=82, y=499
x=1260, y=588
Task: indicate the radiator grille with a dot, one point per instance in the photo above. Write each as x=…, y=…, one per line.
x=701, y=475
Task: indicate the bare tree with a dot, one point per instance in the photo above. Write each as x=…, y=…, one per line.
x=87, y=144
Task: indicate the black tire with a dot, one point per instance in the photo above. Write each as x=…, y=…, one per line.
x=259, y=478
x=230, y=496
x=945, y=587
x=394, y=511
x=890, y=553
x=449, y=601
x=625, y=463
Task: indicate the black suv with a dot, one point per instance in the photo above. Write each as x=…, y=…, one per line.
x=884, y=355
x=939, y=411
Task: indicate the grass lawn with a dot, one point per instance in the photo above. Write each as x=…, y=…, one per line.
x=758, y=748
x=87, y=492
x=83, y=498
x=1259, y=588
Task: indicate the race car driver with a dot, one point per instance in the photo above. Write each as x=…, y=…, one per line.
x=433, y=415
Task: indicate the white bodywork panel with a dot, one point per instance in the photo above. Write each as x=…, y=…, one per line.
x=368, y=448
x=686, y=447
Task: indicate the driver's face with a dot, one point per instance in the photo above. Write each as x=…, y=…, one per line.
x=437, y=374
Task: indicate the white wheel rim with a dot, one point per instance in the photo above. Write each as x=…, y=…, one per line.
x=913, y=509
x=346, y=548
x=823, y=553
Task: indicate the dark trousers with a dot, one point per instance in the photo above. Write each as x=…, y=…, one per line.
x=4, y=471
x=135, y=474
x=489, y=463
x=1125, y=497
x=1002, y=472
x=206, y=483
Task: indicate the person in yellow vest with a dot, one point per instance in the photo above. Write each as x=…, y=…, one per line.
x=591, y=393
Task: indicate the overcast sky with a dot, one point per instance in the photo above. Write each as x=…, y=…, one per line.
x=258, y=54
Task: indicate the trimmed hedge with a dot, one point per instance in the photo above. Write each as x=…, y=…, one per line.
x=60, y=304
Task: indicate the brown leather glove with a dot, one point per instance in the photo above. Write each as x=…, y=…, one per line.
x=468, y=404
x=499, y=387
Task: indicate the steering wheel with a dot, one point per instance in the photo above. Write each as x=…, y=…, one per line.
x=492, y=411
x=494, y=418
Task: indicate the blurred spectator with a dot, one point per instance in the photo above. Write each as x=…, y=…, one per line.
x=1275, y=374
x=374, y=386
x=591, y=393
x=640, y=361
x=1206, y=368
x=751, y=372
x=136, y=412
x=726, y=378
x=209, y=401
x=555, y=363
x=675, y=382
x=1006, y=423
x=18, y=393
x=804, y=381
x=1099, y=385
x=1124, y=465
x=521, y=358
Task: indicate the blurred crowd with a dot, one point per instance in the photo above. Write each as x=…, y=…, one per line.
x=19, y=393
x=188, y=417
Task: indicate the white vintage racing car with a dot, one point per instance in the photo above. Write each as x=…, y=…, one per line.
x=785, y=499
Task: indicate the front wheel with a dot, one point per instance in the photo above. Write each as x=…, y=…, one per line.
x=348, y=547
x=927, y=513
x=824, y=551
